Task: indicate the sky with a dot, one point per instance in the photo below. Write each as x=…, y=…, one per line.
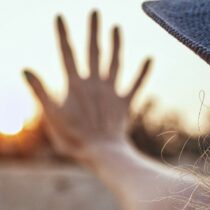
x=28, y=40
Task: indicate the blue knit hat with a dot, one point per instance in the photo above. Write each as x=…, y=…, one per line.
x=187, y=20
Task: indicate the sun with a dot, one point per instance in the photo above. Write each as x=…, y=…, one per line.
x=11, y=128
x=13, y=115
x=11, y=123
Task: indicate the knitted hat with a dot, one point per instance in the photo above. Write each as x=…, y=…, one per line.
x=187, y=20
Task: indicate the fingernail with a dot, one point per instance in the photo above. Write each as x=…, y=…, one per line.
x=94, y=16
x=94, y=13
x=116, y=32
x=116, y=29
x=149, y=61
x=59, y=18
x=28, y=75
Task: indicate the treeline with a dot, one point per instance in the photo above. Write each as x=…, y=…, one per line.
x=164, y=139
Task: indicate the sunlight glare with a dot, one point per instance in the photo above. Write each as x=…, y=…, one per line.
x=13, y=113
x=11, y=128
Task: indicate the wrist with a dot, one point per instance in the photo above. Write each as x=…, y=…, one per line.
x=106, y=148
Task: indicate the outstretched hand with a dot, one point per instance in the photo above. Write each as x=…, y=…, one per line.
x=92, y=113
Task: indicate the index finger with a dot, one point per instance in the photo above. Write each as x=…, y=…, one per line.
x=66, y=49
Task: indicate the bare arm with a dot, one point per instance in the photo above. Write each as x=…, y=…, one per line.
x=91, y=126
x=140, y=182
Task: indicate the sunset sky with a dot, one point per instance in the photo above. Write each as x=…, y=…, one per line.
x=28, y=39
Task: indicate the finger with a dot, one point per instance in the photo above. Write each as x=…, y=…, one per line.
x=93, y=46
x=39, y=91
x=114, y=66
x=67, y=52
x=141, y=78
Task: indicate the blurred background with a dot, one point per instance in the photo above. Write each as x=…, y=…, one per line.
x=170, y=114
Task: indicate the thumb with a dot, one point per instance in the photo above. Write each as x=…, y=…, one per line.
x=39, y=90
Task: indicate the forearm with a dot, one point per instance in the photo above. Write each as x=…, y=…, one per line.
x=140, y=182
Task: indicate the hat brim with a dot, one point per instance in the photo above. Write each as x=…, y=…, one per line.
x=186, y=20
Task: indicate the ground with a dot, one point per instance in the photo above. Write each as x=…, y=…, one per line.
x=42, y=185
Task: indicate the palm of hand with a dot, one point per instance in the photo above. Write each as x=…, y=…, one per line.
x=92, y=108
